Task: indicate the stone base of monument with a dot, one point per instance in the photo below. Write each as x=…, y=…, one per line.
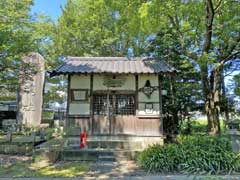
x=235, y=138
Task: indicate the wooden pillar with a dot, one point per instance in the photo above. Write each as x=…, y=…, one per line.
x=68, y=101
x=160, y=79
x=113, y=116
x=91, y=120
x=136, y=94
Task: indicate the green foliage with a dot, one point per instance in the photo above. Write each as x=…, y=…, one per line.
x=191, y=154
x=184, y=91
x=52, y=95
x=21, y=33
x=193, y=127
x=47, y=115
x=185, y=30
x=237, y=85
x=49, y=133
x=99, y=28
x=197, y=127
x=26, y=130
x=7, y=98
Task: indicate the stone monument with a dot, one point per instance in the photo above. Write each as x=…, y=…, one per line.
x=30, y=95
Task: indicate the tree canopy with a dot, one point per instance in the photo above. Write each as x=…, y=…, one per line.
x=20, y=33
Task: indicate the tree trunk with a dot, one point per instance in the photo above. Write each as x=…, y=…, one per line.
x=211, y=91
x=212, y=84
x=174, y=112
x=224, y=100
x=212, y=116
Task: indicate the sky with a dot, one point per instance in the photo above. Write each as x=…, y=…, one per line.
x=50, y=8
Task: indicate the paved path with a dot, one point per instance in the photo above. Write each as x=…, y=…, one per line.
x=170, y=177
x=126, y=170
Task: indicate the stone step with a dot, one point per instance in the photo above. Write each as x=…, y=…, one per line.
x=85, y=154
x=110, y=137
x=107, y=142
x=106, y=158
x=116, y=143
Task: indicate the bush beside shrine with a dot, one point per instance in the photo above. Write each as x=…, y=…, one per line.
x=191, y=154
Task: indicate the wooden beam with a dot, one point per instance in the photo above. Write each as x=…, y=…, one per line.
x=114, y=92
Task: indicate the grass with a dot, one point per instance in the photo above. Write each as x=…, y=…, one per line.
x=209, y=178
x=205, y=122
x=16, y=170
x=2, y=136
x=44, y=169
x=212, y=178
x=200, y=126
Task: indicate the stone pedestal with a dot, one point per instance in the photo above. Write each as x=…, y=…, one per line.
x=235, y=137
x=30, y=97
x=9, y=136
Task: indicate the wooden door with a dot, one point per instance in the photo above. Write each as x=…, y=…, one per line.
x=114, y=114
x=102, y=113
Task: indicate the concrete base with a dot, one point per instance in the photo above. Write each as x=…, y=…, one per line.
x=86, y=154
x=119, y=142
x=107, y=147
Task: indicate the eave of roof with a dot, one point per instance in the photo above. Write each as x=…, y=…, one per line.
x=113, y=65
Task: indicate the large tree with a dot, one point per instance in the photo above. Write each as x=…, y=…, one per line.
x=20, y=33
x=99, y=28
x=208, y=32
x=14, y=35
x=184, y=90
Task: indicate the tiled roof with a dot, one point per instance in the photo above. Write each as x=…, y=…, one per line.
x=113, y=65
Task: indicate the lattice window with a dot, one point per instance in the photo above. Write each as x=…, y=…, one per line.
x=125, y=105
x=100, y=104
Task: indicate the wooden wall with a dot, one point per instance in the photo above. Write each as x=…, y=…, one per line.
x=121, y=125
x=142, y=124
x=83, y=82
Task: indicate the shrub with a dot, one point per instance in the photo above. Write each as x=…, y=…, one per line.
x=191, y=154
x=47, y=115
x=49, y=133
